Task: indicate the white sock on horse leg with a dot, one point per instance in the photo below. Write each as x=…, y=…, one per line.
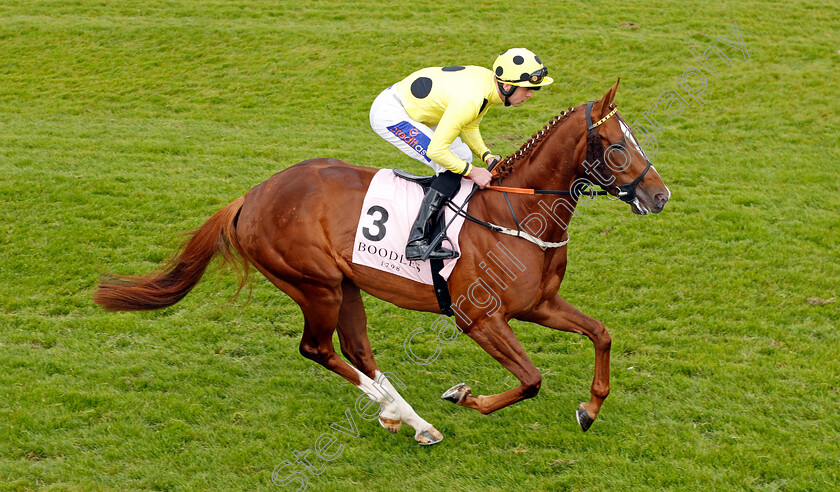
x=394, y=407
x=389, y=408
x=407, y=414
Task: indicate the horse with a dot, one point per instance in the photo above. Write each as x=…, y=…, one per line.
x=297, y=229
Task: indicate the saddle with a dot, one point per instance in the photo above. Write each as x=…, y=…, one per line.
x=424, y=181
x=439, y=233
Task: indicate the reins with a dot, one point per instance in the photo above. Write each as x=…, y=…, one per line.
x=532, y=191
x=574, y=193
x=626, y=193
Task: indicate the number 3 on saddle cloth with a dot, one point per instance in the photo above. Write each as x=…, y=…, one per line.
x=390, y=207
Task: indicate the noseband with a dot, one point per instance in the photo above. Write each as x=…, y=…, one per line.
x=626, y=192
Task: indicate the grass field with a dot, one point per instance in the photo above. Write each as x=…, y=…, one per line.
x=123, y=124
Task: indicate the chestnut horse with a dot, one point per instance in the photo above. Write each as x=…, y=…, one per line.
x=298, y=227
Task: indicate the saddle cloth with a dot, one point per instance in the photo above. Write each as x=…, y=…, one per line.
x=390, y=207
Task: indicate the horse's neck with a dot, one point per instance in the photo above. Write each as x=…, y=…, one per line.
x=552, y=162
x=551, y=165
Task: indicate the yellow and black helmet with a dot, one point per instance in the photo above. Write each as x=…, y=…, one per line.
x=522, y=68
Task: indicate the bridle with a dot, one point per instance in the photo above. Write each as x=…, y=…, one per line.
x=626, y=192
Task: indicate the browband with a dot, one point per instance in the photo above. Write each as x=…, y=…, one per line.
x=589, y=125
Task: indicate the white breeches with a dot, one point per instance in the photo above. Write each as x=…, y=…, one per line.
x=390, y=121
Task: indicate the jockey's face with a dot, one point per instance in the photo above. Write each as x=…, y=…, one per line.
x=520, y=95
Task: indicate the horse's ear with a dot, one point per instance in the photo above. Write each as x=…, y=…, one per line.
x=602, y=106
x=608, y=97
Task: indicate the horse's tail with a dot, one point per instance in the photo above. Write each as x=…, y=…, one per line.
x=176, y=278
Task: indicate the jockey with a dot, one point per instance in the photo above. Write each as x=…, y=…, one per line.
x=433, y=116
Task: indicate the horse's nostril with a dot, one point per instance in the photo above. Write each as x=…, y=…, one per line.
x=660, y=199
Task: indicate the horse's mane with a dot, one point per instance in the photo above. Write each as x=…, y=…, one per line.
x=505, y=168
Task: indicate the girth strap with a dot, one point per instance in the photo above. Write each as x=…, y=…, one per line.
x=444, y=299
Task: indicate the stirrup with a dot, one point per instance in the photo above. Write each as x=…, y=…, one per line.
x=416, y=251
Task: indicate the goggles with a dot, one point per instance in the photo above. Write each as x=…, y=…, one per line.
x=537, y=77
x=534, y=78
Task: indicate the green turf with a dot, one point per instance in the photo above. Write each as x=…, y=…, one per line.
x=123, y=124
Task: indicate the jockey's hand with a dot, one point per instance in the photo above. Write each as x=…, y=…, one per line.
x=491, y=158
x=480, y=176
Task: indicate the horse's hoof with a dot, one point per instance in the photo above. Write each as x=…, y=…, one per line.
x=390, y=425
x=457, y=393
x=429, y=437
x=583, y=419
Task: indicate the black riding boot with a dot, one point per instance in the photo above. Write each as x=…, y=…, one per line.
x=418, y=239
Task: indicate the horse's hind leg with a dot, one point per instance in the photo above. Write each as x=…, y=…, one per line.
x=352, y=335
x=320, y=322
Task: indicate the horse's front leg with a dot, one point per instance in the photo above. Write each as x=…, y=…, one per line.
x=557, y=313
x=495, y=336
